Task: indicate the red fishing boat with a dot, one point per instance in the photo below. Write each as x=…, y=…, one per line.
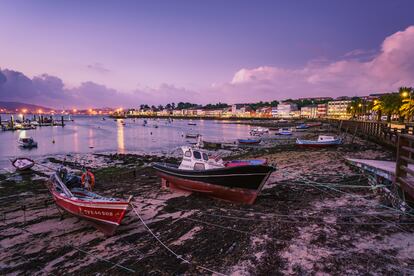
x=239, y=181
x=104, y=213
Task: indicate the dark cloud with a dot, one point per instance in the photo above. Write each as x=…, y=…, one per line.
x=98, y=67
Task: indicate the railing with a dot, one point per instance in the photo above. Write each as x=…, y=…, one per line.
x=404, y=173
x=380, y=132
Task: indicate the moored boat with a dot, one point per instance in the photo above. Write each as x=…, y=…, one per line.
x=249, y=141
x=284, y=131
x=238, y=181
x=315, y=124
x=191, y=135
x=27, y=142
x=301, y=127
x=23, y=163
x=323, y=141
x=105, y=213
x=259, y=131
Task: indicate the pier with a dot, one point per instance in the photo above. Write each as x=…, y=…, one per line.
x=24, y=123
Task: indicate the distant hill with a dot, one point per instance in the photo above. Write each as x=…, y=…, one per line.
x=18, y=105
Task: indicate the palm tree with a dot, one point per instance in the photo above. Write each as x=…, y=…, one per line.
x=378, y=107
x=407, y=107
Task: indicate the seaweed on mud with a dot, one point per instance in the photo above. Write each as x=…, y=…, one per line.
x=256, y=239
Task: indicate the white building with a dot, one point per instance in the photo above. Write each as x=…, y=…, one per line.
x=309, y=111
x=338, y=109
x=286, y=110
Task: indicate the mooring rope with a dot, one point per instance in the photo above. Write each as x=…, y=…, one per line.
x=169, y=249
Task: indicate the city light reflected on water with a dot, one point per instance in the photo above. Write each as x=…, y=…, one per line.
x=91, y=134
x=120, y=137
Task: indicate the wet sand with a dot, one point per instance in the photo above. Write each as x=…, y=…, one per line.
x=315, y=215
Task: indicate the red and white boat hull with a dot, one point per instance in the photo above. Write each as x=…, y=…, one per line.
x=106, y=216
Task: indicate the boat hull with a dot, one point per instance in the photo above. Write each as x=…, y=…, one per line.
x=249, y=142
x=105, y=216
x=315, y=144
x=238, y=184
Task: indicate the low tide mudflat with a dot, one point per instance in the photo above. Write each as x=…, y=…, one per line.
x=316, y=214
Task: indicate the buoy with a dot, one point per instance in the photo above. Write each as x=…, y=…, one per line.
x=53, y=141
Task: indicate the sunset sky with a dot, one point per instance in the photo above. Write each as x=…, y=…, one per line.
x=124, y=53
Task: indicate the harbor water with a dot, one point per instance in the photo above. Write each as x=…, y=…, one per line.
x=94, y=134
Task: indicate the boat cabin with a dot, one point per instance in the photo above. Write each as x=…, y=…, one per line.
x=325, y=138
x=196, y=159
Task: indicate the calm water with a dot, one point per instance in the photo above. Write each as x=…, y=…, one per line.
x=90, y=134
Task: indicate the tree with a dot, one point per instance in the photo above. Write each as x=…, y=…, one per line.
x=407, y=107
x=388, y=104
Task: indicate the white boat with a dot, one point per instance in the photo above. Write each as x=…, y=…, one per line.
x=22, y=164
x=323, y=141
x=27, y=142
x=259, y=131
x=284, y=131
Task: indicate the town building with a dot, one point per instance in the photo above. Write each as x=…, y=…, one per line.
x=322, y=110
x=286, y=110
x=274, y=111
x=264, y=112
x=338, y=109
x=213, y=112
x=309, y=111
x=241, y=110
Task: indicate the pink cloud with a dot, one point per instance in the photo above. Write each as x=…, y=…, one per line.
x=391, y=67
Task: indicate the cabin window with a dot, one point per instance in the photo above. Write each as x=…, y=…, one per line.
x=199, y=166
x=197, y=155
x=205, y=156
x=187, y=153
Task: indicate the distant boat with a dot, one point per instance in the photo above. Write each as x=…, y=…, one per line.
x=259, y=131
x=249, y=141
x=284, y=131
x=323, y=141
x=155, y=126
x=314, y=124
x=301, y=127
x=105, y=213
x=23, y=163
x=191, y=135
x=27, y=142
x=239, y=181
x=192, y=124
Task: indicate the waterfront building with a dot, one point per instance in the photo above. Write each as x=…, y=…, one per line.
x=264, y=112
x=213, y=112
x=241, y=110
x=338, y=109
x=322, y=110
x=178, y=112
x=287, y=110
x=274, y=111
x=309, y=111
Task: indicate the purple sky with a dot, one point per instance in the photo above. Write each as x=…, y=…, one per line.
x=124, y=53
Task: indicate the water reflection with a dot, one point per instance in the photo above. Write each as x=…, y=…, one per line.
x=111, y=136
x=120, y=137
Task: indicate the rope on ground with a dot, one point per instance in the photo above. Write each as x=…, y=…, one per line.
x=169, y=249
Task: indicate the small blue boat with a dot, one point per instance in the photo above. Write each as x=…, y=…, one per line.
x=249, y=141
x=302, y=126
